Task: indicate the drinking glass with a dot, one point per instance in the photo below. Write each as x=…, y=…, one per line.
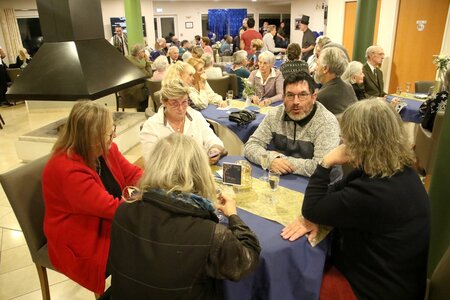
x=274, y=179
x=264, y=161
x=407, y=87
x=131, y=194
x=399, y=90
x=229, y=97
x=217, y=211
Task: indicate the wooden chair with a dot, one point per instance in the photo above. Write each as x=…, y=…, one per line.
x=2, y=122
x=153, y=86
x=132, y=97
x=220, y=85
x=23, y=188
x=423, y=86
x=426, y=143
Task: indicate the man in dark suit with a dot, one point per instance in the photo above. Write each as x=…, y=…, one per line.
x=173, y=54
x=373, y=77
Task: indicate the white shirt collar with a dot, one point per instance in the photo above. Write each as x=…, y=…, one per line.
x=272, y=74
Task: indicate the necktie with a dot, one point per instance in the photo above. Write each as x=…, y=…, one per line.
x=375, y=73
x=122, y=45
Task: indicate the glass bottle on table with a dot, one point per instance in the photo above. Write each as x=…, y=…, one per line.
x=229, y=97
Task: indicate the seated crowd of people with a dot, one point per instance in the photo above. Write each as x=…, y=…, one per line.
x=168, y=244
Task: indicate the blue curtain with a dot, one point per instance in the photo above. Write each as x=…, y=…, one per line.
x=225, y=21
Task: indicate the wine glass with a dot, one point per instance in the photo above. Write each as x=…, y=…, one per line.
x=264, y=161
x=407, y=87
x=229, y=97
x=131, y=194
x=217, y=211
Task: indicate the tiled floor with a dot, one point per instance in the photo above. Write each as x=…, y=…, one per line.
x=18, y=275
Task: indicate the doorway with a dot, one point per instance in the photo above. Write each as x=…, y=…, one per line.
x=164, y=25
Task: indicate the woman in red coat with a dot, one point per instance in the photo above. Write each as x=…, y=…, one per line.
x=82, y=186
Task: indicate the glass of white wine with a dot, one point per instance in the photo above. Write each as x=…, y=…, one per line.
x=274, y=180
x=264, y=161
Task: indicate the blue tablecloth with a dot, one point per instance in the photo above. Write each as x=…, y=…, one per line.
x=287, y=270
x=411, y=112
x=221, y=116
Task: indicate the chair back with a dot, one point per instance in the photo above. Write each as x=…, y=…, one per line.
x=234, y=85
x=439, y=287
x=133, y=96
x=13, y=73
x=423, y=86
x=220, y=85
x=153, y=87
x=426, y=143
x=23, y=188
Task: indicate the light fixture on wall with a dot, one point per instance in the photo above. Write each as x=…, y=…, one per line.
x=159, y=10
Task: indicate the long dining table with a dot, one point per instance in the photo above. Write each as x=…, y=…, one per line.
x=287, y=270
x=410, y=113
x=219, y=115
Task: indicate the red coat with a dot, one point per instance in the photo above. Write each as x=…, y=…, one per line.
x=78, y=215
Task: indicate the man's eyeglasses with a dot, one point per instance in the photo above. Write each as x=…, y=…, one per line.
x=113, y=133
x=175, y=103
x=302, y=96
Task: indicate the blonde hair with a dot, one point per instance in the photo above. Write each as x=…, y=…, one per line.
x=23, y=54
x=179, y=164
x=173, y=89
x=197, y=51
x=85, y=129
x=175, y=70
x=375, y=138
x=196, y=62
x=257, y=44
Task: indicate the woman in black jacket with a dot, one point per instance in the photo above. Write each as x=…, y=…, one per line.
x=169, y=245
x=380, y=211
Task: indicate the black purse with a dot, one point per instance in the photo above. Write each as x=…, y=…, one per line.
x=242, y=117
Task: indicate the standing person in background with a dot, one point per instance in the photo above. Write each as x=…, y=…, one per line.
x=120, y=40
x=248, y=36
x=244, y=25
x=197, y=40
x=308, y=40
x=3, y=80
x=268, y=40
x=281, y=39
x=373, y=77
x=264, y=29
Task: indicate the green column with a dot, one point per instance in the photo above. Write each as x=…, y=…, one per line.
x=366, y=12
x=440, y=197
x=134, y=22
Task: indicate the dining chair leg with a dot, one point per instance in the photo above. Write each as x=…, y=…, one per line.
x=1, y=120
x=43, y=280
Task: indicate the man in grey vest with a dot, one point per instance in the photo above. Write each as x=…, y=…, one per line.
x=120, y=40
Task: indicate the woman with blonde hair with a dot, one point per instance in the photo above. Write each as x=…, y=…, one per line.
x=201, y=94
x=179, y=70
x=177, y=116
x=378, y=211
x=82, y=186
x=169, y=244
x=197, y=52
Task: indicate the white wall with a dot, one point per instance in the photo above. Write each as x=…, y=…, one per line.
x=309, y=8
x=386, y=29
x=192, y=12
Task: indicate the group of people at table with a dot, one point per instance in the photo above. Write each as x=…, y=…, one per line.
x=168, y=243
